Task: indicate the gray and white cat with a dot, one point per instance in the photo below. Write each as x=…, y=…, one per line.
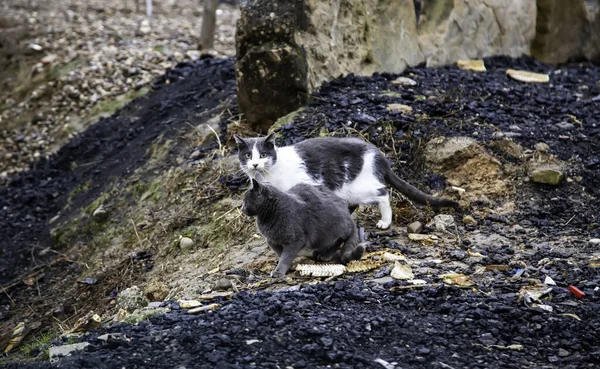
x=304, y=217
x=355, y=170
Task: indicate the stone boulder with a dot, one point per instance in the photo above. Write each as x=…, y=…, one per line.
x=450, y=30
x=567, y=29
x=286, y=49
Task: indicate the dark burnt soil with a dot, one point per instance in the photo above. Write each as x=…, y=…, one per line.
x=452, y=102
x=349, y=324
x=111, y=149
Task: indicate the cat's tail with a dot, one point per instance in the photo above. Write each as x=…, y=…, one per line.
x=414, y=193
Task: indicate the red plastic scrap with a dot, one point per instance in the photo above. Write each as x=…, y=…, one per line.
x=576, y=291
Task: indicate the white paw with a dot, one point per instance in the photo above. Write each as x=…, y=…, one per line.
x=383, y=224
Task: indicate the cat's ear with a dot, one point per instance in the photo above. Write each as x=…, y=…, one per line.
x=240, y=141
x=255, y=185
x=270, y=138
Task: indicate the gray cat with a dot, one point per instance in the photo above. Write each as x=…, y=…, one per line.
x=305, y=216
x=355, y=170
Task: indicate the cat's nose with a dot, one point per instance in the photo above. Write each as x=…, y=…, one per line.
x=255, y=165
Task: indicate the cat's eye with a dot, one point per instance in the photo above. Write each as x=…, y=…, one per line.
x=263, y=155
x=248, y=155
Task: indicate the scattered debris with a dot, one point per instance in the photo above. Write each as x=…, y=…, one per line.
x=423, y=237
x=387, y=256
x=577, y=292
x=89, y=281
x=595, y=241
x=460, y=190
x=524, y=76
x=469, y=220
x=17, y=336
x=404, y=81
x=187, y=304
x=402, y=108
x=385, y=364
x=457, y=279
x=546, y=176
x=359, y=266
x=571, y=315
x=476, y=65
x=223, y=284
x=321, y=270
x=100, y=214
x=545, y=307
x=213, y=295
x=501, y=267
x=414, y=227
x=90, y=321
x=131, y=299
x=402, y=272
x=442, y=222
x=549, y=281
x=203, y=308
x=56, y=352
x=531, y=294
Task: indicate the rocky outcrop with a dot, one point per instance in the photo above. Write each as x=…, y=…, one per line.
x=271, y=67
x=450, y=30
x=285, y=49
x=567, y=29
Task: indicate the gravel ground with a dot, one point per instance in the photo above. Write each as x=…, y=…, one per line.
x=352, y=322
x=348, y=324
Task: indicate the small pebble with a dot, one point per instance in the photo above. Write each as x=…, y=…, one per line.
x=186, y=243
x=415, y=227
x=223, y=284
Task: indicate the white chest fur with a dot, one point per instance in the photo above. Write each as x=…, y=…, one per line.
x=289, y=170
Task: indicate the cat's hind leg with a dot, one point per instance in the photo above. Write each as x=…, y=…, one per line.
x=328, y=253
x=383, y=201
x=352, y=249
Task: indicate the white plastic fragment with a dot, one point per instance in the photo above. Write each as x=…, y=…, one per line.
x=402, y=271
x=385, y=364
x=524, y=76
x=549, y=281
x=388, y=256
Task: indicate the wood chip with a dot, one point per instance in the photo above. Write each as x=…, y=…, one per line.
x=203, y=308
x=474, y=65
x=500, y=267
x=524, y=76
x=187, y=304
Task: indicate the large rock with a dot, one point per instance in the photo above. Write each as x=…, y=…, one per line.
x=286, y=49
x=567, y=29
x=450, y=30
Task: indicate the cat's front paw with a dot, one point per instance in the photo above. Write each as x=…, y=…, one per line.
x=277, y=274
x=383, y=224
